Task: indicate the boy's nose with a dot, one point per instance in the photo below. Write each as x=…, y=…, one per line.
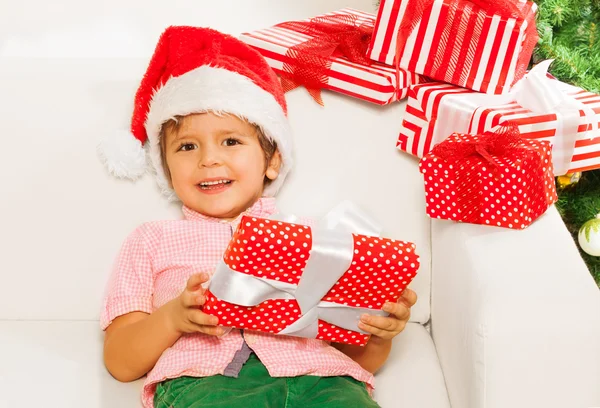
x=209, y=158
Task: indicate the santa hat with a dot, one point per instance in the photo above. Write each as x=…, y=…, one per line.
x=197, y=70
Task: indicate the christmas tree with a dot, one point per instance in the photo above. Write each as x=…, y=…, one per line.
x=570, y=34
x=579, y=203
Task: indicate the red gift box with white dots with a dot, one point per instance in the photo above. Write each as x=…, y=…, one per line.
x=511, y=192
x=380, y=270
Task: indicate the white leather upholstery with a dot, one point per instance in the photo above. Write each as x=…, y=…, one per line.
x=515, y=316
x=40, y=368
x=68, y=73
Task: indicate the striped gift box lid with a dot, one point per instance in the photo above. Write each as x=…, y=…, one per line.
x=420, y=132
x=375, y=82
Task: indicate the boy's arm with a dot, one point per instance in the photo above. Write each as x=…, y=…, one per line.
x=371, y=356
x=134, y=342
x=135, y=339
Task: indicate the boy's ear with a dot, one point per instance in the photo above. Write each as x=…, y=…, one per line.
x=274, y=165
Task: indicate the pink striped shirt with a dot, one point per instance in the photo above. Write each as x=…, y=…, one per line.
x=153, y=267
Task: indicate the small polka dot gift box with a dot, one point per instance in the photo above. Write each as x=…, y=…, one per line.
x=296, y=280
x=494, y=179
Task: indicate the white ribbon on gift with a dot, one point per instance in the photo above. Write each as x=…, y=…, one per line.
x=330, y=256
x=537, y=93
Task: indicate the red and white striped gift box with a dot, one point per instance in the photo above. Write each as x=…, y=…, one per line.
x=374, y=83
x=488, y=53
x=435, y=110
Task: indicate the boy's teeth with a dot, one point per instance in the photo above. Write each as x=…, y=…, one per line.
x=212, y=183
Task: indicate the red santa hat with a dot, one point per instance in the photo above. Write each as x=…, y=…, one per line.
x=197, y=70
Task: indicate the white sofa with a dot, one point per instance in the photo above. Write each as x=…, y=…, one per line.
x=504, y=318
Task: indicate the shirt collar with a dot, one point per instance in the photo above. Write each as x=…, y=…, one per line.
x=263, y=207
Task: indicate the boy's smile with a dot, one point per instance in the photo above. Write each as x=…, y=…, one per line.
x=214, y=185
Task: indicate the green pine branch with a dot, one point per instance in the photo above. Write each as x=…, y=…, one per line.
x=569, y=33
x=578, y=204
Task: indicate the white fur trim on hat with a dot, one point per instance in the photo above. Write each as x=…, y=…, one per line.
x=123, y=155
x=218, y=90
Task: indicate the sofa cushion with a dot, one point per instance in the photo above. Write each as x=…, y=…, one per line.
x=59, y=364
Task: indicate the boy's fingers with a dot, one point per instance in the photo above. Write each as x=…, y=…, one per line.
x=196, y=280
x=408, y=297
x=200, y=298
x=381, y=322
x=200, y=318
x=376, y=331
x=212, y=330
x=386, y=330
x=193, y=298
x=398, y=310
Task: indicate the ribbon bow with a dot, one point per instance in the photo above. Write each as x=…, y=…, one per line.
x=449, y=62
x=503, y=142
x=331, y=256
x=308, y=62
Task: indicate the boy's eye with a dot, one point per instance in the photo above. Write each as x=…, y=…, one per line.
x=231, y=142
x=186, y=146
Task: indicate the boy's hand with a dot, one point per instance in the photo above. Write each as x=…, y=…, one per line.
x=389, y=327
x=185, y=310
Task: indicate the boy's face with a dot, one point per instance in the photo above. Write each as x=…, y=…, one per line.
x=217, y=165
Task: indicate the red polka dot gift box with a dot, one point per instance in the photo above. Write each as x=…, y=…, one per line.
x=291, y=279
x=494, y=179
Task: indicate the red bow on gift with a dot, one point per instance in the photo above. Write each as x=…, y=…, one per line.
x=307, y=63
x=504, y=141
x=449, y=63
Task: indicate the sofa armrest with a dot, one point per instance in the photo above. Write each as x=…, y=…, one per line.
x=515, y=316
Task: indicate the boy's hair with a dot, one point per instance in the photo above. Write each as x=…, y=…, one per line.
x=268, y=147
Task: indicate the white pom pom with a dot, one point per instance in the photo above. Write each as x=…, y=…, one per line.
x=123, y=155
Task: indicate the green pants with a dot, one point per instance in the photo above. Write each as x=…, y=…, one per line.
x=254, y=388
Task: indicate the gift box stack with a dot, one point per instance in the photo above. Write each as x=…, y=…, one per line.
x=477, y=56
x=463, y=64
